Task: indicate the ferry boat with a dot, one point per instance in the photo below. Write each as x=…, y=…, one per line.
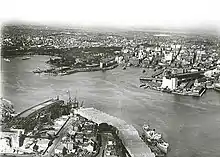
x=26, y=58
x=217, y=87
x=142, y=85
x=155, y=141
x=166, y=90
x=6, y=59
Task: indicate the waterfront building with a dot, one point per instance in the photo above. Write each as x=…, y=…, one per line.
x=170, y=83
x=9, y=140
x=101, y=65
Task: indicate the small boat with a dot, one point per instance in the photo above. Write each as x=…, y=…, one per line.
x=6, y=59
x=26, y=58
x=217, y=87
x=163, y=146
x=142, y=85
x=37, y=71
x=155, y=141
x=151, y=133
x=166, y=90
x=124, y=68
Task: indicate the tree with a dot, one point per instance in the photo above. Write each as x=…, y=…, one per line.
x=64, y=151
x=50, y=143
x=35, y=148
x=104, y=127
x=21, y=140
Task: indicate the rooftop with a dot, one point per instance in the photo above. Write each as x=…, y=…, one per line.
x=31, y=110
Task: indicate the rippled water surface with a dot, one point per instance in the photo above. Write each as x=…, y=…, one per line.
x=191, y=125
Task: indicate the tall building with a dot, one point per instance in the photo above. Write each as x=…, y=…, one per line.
x=170, y=83
x=101, y=65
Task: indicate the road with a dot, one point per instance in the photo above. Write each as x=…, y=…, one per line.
x=57, y=140
x=16, y=155
x=104, y=143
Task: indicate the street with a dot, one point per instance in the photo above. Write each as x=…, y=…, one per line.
x=57, y=140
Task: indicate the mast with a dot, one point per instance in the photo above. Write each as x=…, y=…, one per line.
x=82, y=104
x=69, y=96
x=75, y=96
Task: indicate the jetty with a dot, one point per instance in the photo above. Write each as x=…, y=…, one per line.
x=38, y=108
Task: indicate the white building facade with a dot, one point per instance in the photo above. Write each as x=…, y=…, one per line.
x=169, y=83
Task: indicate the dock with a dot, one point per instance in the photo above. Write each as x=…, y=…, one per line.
x=37, y=108
x=29, y=115
x=142, y=78
x=127, y=133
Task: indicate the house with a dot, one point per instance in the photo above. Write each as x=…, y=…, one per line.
x=59, y=149
x=89, y=147
x=79, y=137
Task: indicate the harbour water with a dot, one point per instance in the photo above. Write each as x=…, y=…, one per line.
x=191, y=125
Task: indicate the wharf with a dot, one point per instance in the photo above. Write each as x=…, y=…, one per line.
x=190, y=93
x=67, y=70
x=38, y=107
x=149, y=79
x=127, y=133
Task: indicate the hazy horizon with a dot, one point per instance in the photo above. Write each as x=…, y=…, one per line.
x=211, y=31
x=120, y=14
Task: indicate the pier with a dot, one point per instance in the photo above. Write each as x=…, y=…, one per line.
x=29, y=118
x=38, y=108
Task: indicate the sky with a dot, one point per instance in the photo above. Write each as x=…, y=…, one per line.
x=116, y=13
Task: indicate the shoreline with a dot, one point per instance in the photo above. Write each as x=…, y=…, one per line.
x=148, y=80
x=58, y=71
x=127, y=133
x=122, y=133
x=173, y=92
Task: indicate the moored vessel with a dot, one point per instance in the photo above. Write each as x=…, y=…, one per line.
x=124, y=67
x=6, y=59
x=155, y=141
x=26, y=58
x=217, y=87
x=38, y=70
